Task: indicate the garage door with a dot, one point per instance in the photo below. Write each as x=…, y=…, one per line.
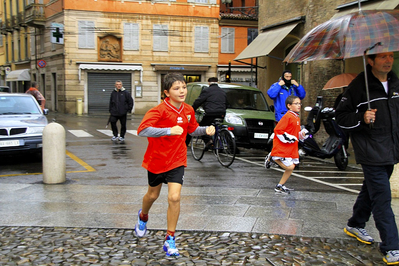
x=100, y=86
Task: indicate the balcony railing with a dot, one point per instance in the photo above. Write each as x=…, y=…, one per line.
x=21, y=19
x=248, y=11
x=34, y=15
x=6, y=26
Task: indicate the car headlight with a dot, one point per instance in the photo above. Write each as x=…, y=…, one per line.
x=34, y=130
x=233, y=119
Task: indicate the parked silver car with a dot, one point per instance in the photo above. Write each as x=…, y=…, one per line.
x=21, y=123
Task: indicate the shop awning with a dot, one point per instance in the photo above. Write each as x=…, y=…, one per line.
x=265, y=42
x=379, y=5
x=115, y=67
x=18, y=75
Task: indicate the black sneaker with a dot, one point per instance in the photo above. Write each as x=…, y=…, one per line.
x=281, y=189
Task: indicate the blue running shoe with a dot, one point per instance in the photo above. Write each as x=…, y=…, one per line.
x=141, y=227
x=170, y=247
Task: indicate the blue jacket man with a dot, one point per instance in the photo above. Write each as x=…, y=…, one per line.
x=280, y=90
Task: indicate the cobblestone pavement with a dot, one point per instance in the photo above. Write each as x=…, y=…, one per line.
x=96, y=246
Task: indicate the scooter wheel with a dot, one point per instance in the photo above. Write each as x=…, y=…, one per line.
x=340, y=161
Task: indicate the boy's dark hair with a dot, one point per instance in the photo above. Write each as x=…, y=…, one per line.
x=34, y=84
x=213, y=79
x=171, y=78
x=290, y=99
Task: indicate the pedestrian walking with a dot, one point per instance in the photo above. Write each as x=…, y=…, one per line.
x=120, y=103
x=375, y=139
x=285, y=144
x=280, y=90
x=166, y=127
x=34, y=91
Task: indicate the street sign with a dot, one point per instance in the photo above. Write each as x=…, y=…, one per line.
x=41, y=63
x=57, y=33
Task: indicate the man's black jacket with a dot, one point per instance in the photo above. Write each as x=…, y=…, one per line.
x=213, y=99
x=378, y=145
x=120, y=103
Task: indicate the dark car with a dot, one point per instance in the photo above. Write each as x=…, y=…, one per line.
x=4, y=89
x=21, y=123
x=248, y=114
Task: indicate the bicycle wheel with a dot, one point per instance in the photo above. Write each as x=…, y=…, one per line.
x=197, y=146
x=225, y=147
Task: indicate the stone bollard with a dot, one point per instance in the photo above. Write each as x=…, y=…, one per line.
x=54, y=154
x=395, y=182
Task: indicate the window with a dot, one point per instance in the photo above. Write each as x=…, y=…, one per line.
x=227, y=40
x=86, y=34
x=252, y=34
x=131, y=36
x=201, y=43
x=160, y=40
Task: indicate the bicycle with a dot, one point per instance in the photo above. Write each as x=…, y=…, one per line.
x=223, y=145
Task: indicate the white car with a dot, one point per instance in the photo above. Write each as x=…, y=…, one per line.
x=21, y=123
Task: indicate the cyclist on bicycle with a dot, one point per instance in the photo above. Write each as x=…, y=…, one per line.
x=214, y=101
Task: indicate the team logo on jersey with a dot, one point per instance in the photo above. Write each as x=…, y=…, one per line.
x=179, y=120
x=189, y=118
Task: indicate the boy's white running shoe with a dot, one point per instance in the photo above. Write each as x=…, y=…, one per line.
x=141, y=227
x=170, y=247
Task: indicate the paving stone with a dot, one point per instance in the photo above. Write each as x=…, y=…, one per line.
x=99, y=246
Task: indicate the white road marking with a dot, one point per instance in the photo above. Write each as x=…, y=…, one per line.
x=106, y=132
x=80, y=133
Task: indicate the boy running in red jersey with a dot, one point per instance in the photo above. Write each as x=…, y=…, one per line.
x=166, y=127
x=285, y=144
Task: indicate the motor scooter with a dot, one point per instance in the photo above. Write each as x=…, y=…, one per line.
x=334, y=146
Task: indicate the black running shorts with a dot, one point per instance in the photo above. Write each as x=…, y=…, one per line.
x=174, y=176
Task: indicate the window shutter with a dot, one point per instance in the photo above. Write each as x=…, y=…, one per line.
x=90, y=34
x=201, y=42
x=82, y=34
x=160, y=37
x=131, y=36
x=227, y=43
x=86, y=34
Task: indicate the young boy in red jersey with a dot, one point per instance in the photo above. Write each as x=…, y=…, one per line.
x=166, y=127
x=285, y=144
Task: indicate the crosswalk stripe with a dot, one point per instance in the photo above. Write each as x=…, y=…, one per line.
x=133, y=132
x=80, y=133
x=106, y=132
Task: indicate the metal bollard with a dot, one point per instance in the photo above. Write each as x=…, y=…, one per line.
x=54, y=154
x=79, y=106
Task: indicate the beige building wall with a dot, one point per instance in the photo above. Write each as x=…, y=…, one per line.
x=64, y=60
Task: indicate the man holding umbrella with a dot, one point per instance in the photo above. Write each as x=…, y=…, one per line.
x=375, y=136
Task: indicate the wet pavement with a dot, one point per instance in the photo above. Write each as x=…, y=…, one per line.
x=84, y=223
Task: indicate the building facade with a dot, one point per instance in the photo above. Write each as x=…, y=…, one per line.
x=238, y=27
x=14, y=45
x=282, y=24
x=81, y=48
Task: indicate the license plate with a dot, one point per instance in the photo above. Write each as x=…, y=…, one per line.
x=261, y=136
x=9, y=143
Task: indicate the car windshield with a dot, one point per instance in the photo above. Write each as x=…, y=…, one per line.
x=18, y=105
x=246, y=99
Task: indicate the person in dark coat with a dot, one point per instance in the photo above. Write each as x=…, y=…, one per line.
x=375, y=138
x=120, y=103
